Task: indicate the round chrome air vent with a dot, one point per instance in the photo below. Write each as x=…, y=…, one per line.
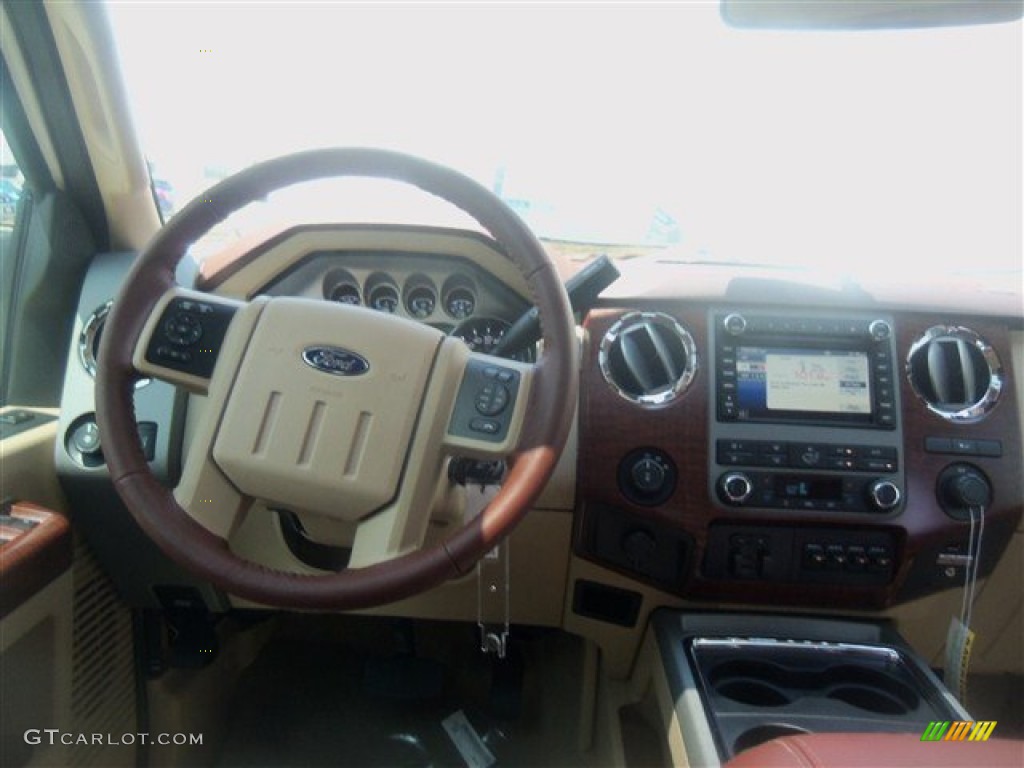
x=648, y=358
x=89, y=338
x=955, y=372
x=89, y=341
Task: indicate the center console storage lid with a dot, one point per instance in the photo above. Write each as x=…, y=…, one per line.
x=861, y=750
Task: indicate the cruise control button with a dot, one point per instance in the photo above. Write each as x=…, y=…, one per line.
x=485, y=426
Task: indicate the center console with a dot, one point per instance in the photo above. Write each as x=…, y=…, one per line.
x=738, y=681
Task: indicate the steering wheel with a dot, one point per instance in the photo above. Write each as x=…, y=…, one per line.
x=329, y=409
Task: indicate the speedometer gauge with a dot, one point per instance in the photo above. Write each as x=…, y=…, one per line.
x=482, y=334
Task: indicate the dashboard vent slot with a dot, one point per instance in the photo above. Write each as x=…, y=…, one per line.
x=955, y=373
x=648, y=358
x=89, y=341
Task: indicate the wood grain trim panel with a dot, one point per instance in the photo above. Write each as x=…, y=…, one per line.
x=33, y=558
x=611, y=427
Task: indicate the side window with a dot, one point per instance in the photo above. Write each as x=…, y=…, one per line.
x=11, y=185
x=12, y=188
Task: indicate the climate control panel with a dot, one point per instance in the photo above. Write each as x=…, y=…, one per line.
x=781, y=475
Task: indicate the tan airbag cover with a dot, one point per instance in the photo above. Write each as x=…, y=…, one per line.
x=330, y=444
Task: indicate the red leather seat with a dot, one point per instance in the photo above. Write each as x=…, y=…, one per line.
x=878, y=750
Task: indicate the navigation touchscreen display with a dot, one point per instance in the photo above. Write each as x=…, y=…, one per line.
x=776, y=381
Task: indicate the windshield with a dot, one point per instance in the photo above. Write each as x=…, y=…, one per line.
x=648, y=127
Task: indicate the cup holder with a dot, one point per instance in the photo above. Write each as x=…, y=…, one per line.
x=763, y=671
x=762, y=733
x=764, y=684
x=752, y=692
x=871, y=690
x=758, y=689
x=757, y=684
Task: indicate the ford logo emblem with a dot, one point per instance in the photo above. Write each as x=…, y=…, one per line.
x=336, y=361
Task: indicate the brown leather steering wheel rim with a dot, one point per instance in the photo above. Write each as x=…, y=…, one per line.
x=551, y=406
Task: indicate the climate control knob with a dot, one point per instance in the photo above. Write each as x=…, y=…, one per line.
x=735, y=487
x=884, y=495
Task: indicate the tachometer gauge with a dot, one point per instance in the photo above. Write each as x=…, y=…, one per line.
x=482, y=334
x=384, y=298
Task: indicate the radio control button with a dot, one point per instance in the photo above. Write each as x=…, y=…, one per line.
x=735, y=324
x=879, y=330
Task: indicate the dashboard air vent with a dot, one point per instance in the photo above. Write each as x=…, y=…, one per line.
x=89, y=338
x=648, y=358
x=955, y=372
x=89, y=341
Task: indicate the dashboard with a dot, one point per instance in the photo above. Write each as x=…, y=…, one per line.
x=740, y=439
x=771, y=454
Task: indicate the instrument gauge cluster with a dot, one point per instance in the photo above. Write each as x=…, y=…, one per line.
x=457, y=298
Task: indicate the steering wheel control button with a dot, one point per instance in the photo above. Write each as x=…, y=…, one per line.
x=485, y=402
x=183, y=329
x=492, y=399
x=174, y=355
x=189, y=336
x=485, y=426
